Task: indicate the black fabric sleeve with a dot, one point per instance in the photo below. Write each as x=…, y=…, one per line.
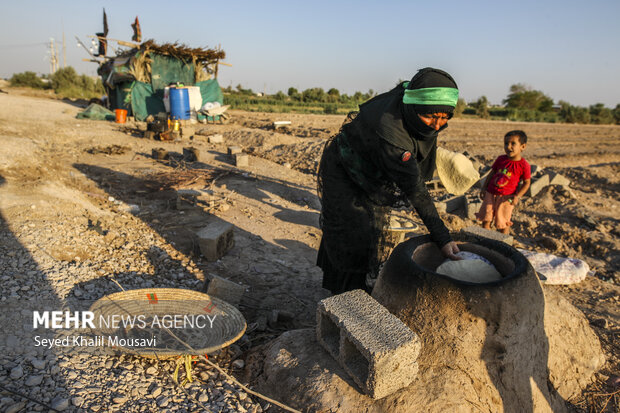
x=405, y=173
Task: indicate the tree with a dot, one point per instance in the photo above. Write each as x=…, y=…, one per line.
x=601, y=115
x=523, y=97
x=573, y=114
x=315, y=94
x=616, y=113
x=460, y=107
x=292, y=91
x=482, y=107
x=333, y=95
x=29, y=79
x=280, y=96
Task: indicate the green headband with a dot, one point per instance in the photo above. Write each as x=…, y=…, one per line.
x=447, y=96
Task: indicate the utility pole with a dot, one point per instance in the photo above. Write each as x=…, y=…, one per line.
x=64, y=49
x=52, y=57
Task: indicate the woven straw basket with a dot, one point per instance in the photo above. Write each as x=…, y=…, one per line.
x=154, y=303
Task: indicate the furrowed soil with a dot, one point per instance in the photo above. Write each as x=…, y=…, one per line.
x=83, y=203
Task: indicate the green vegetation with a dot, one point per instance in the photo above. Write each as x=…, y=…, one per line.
x=27, y=79
x=522, y=103
x=65, y=83
x=313, y=100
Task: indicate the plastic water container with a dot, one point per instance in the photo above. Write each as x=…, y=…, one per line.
x=179, y=103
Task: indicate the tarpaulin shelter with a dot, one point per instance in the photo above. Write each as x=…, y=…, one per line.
x=135, y=79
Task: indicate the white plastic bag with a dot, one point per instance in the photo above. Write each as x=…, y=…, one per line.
x=556, y=270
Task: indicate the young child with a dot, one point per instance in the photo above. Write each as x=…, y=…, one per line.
x=501, y=192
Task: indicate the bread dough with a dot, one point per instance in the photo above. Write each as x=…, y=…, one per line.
x=472, y=270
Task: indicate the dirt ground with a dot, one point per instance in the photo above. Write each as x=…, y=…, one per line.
x=60, y=177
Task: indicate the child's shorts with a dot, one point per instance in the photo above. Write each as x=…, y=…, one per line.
x=496, y=208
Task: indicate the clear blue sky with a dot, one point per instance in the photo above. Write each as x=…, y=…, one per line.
x=568, y=49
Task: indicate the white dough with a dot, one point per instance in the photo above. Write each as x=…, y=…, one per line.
x=472, y=270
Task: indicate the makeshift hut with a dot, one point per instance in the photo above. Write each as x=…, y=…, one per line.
x=135, y=79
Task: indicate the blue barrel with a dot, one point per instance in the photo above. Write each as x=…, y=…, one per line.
x=179, y=103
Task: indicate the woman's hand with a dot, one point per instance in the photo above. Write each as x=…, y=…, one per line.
x=450, y=249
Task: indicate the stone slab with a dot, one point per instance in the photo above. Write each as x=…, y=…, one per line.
x=224, y=289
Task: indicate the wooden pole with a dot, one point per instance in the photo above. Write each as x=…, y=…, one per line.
x=64, y=50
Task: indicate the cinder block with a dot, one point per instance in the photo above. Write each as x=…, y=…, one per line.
x=557, y=179
x=224, y=289
x=455, y=203
x=216, y=138
x=242, y=159
x=215, y=240
x=232, y=150
x=537, y=185
x=487, y=233
x=472, y=207
x=191, y=154
x=435, y=183
x=372, y=345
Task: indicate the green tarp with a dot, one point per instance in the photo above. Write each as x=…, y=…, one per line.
x=166, y=70
x=145, y=101
x=96, y=112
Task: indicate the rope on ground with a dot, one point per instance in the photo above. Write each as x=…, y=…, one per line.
x=283, y=406
x=214, y=365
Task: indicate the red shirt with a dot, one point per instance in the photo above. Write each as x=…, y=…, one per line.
x=507, y=174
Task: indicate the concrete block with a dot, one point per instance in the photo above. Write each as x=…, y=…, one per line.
x=216, y=138
x=472, y=207
x=537, y=185
x=480, y=232
x=232, y=150
x=242, y=159
x=372, y=345
x=557, y=179
x=434, y=183
x=215, y=240
x=224, y=289
x=191, y=154
x=454, y=203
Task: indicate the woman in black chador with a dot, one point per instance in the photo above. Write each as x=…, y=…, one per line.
x=380, y=158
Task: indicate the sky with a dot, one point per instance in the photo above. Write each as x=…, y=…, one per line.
x=569, y=50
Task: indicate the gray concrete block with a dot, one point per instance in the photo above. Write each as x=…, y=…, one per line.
x=232, y=150
x=487, y=233
x=242, y=159
x=557, y=179
x=454, y=203
x=372, y=345
x=472, y=207
x=537, y=185
x=191, y=154
x=224, y=289
x=434, y=183
x=216, y=138
x=215, y=240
